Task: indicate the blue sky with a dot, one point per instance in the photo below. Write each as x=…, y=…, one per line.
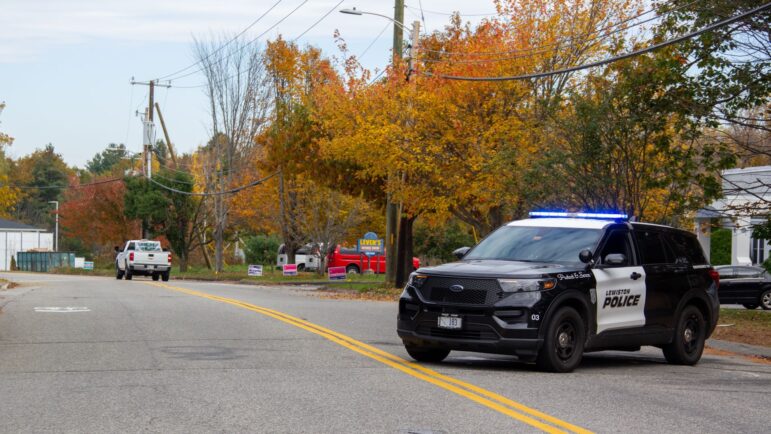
x=65, y=65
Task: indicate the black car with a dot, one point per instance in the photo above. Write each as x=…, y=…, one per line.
x=748, y=286
x=549, y=289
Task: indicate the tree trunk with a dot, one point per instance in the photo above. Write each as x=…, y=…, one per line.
x=404, y=252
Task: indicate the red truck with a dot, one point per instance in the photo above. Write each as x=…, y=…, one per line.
x=355, y=261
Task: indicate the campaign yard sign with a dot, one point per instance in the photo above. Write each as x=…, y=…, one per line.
x=336, y=273
x=290, y=269
x=88, y=265
x=254, y=270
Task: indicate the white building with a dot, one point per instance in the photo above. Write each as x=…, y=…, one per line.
x=746, y=202
x=17, y=237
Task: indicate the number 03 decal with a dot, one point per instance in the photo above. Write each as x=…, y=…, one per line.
x=535, y=317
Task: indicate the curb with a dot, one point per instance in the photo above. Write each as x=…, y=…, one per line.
x=740, y=348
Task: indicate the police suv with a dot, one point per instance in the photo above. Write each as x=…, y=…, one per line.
x=556, y=285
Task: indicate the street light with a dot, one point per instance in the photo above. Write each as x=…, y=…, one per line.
x=56, y=227
x=355, y=11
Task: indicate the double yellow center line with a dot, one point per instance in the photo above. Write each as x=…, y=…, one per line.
x=477, y=394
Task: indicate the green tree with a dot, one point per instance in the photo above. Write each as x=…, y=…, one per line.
x=166, y=213
x=106, y=160
x=628, y=141
x=44, y=176
x=261, y=249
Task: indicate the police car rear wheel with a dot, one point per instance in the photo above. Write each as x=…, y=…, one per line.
x=765, y=300
x=421, y=354
x=563, y=345
x=688, y=342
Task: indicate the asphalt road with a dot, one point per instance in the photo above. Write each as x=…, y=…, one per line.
x=88, y=354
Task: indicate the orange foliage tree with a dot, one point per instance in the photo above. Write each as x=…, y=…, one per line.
x=95, y=215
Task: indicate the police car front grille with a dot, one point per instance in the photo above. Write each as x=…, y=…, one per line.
x=475, y=291
x=475, y=332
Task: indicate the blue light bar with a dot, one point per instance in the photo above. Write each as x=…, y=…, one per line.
x=580, y=215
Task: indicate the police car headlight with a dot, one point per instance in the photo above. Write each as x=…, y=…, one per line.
x=526, y=290
x=527, y=285
x=416, y=280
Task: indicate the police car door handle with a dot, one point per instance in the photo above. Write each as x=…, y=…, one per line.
x=635, y=275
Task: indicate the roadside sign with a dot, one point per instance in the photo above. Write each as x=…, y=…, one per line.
x=370, y=245
x=254, y=270
x=336, y=273
x=79, y=262
x=88, y=265
x=290, y=269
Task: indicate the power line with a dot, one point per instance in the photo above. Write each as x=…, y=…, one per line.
x=544, y=48
x=241, y=49
x=216, y=193
x=654, y=47
x=318, y=21
x=450, y=13
x=63, y=187
x=377, y=38
x=252, y=24
x=570, y=38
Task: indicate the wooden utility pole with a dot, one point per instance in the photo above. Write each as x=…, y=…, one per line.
x=392, y=212
x=166, y=135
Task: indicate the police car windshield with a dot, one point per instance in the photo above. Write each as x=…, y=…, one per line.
x=536, y=244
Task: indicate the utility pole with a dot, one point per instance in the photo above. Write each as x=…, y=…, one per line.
x=56, y=227
x=392, y=212
x=166, y=135
x=148, y=135
x=404, y=223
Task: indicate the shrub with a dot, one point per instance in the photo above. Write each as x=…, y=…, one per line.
x=261, y=249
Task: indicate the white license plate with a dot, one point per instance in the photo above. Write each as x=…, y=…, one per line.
x=450, y=322
x=151, y=267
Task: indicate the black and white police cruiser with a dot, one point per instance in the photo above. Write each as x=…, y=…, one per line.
x=556, y=285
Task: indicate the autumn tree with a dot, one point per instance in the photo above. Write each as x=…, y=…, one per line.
x=237, y=96
x=628, y=142
x=289, y=145
x=9, y=195
x=44, y=176
x=95, y=215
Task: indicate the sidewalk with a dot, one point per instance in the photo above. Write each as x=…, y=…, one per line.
x=739, y=348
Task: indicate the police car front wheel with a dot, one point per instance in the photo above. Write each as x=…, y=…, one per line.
x=688, y=342
x=563, y=345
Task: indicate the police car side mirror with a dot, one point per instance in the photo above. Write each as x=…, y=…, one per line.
x=585, y=256
x=461, y=252
x=615, y=259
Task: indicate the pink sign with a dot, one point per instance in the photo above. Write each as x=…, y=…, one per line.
x=290, y=270
x=336, y=273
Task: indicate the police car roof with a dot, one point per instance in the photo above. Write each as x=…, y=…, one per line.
x=563, y=222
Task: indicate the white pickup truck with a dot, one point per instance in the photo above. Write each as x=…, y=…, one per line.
x=144, y=258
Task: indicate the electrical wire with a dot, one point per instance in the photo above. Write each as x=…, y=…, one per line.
x=216, y=193
x=318, y=21
x=62, y=187
x=245, y=45
x=542, y=49
x=450, y=13
x=570, y=38
x=649, y=49
x=377, y=38
x=252, y=24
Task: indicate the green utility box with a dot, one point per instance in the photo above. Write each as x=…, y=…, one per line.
x=44, y=261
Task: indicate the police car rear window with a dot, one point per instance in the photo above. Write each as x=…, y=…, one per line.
x=687, y=247
x=652, y=248
x=536, y=244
